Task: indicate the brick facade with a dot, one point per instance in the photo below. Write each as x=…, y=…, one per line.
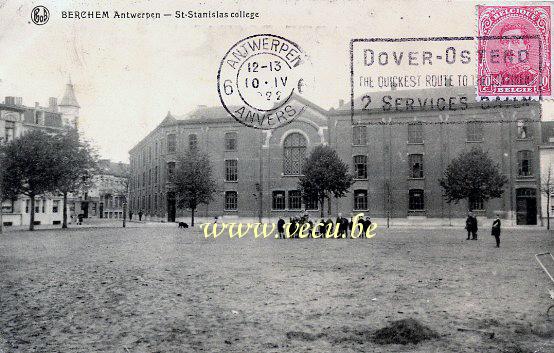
x=505, y=130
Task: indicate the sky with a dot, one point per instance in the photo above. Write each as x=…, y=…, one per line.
x=129, y=73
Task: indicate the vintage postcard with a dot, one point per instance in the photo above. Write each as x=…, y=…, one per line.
x=276, y=176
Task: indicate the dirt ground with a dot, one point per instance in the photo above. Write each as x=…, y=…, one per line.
x=170, y=290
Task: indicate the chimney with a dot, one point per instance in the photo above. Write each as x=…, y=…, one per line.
x=18, y=101
x=9, y=100
x=37, y=105
x=341, y=102
x=53, y=104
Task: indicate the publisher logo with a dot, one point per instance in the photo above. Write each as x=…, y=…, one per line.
x=40, y=15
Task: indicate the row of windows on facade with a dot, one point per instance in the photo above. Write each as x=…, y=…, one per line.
x=145, y=157
x=474, y=132
x=40, y=206
x=294, y=158
x=283, y=201
x=147, y=202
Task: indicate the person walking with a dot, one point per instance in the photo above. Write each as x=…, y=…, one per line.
x=474, y=227
x=140, y=215
x=281, y=228
x=495, y=232
x=367, y=224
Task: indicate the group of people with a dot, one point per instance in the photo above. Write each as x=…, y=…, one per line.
x=139, y=215
x=323, y=227
x=472, y=227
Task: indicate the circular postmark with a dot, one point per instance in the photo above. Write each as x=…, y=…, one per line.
x=260, y=80
x=40, y=15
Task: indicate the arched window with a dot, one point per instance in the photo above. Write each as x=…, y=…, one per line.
x=294, y=153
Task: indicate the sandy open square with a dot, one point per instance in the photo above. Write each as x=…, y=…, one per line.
x=161, y=289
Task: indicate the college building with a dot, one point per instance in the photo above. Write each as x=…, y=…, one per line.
x=397, y=144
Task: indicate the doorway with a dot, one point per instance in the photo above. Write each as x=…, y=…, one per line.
x=526, y=206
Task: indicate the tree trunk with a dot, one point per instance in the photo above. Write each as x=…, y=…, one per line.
x=321, y=207
x=32, y=220
x=329, y=206
x=192, y=217
x=548, y=212
x=64, y=212
x=2, y=214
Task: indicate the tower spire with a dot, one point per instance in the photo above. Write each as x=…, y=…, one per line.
x=69, y=98
x=69, y=107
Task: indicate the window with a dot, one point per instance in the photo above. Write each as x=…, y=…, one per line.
x=231, y=141
x=523, y=129
x=55, y=206
x=294, y=154
x=149, y=176
x=312, y=203
x=295, y=200
x=360, y=167
x=476, y=203
x=156, y=176
x=143, y=179
x=415, y=133
x=170, y=170
x=278, y=202
x=231, y=170
x=416, y=166
x=231, y=200
x=474, y=130
x=416, y=202
x=193, y=142
x=7, y=206
x=171, y=143
x=525, y=163
x=27, y=205
x=359, y=135
x=10, y=131
x=360, y=199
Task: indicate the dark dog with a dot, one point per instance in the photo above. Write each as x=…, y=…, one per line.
x=183, y=225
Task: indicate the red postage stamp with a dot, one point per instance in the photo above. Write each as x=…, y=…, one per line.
x=514, y=51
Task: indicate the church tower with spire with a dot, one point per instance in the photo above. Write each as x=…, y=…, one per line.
x=69, y=107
